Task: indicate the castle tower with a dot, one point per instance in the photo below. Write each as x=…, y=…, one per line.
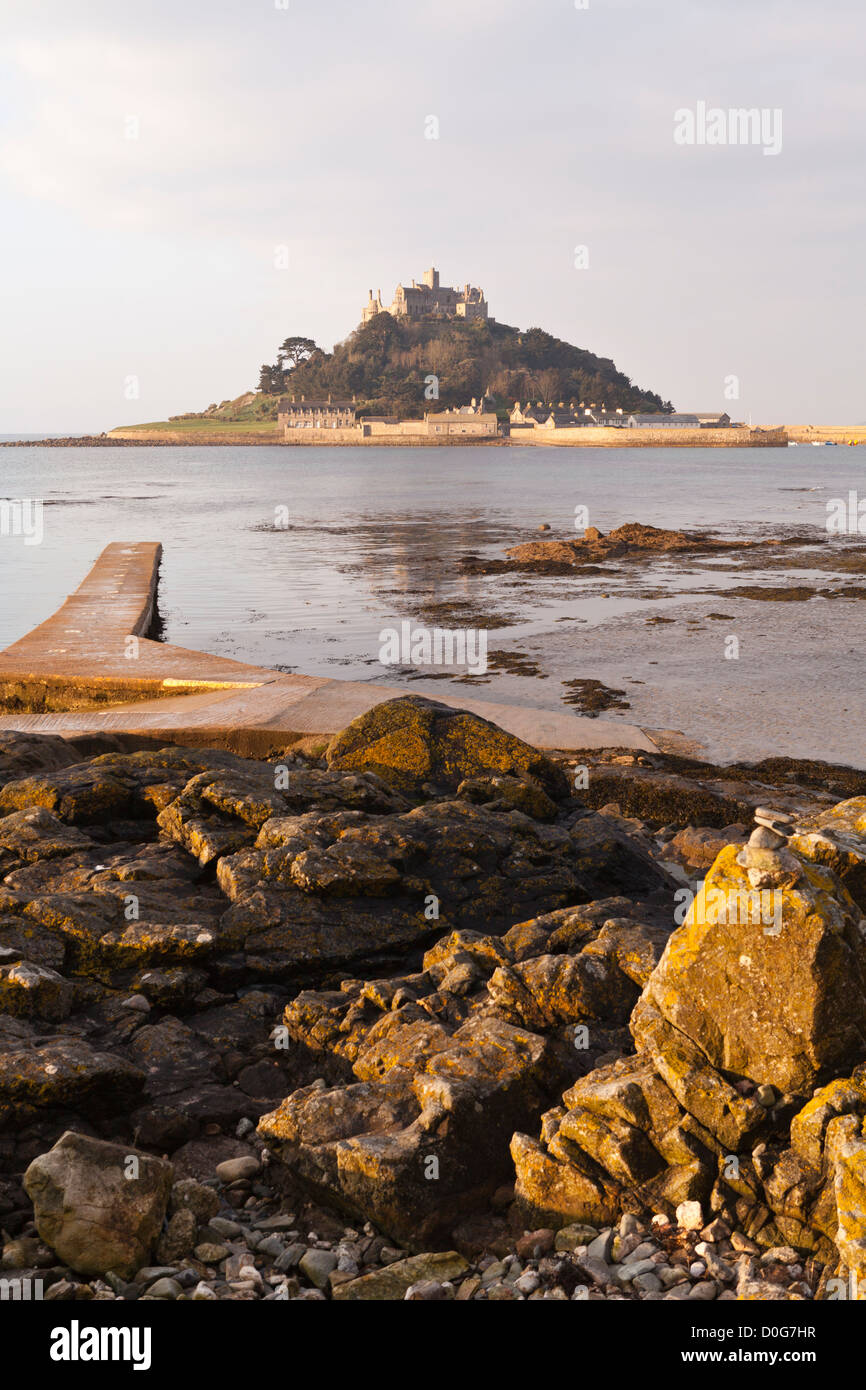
x=431, y=279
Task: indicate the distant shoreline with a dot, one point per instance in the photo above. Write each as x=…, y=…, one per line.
x=601, y=437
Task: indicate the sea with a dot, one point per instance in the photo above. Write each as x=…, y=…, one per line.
x=300, y=560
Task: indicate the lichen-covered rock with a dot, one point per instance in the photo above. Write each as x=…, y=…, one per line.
x=67, y=1072
x=323, y=889
x=29, y=990
x=740, y=1019
x=769, y=987
x=99, y=1206
x=33, y=834
x=836, y=838
x=446, y=1068
x=504, y=793
x=218, y=812
x=412, y=740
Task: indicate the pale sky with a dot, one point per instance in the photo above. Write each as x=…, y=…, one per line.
x=303, y=127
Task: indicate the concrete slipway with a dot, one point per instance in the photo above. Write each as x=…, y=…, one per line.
x=94, y=648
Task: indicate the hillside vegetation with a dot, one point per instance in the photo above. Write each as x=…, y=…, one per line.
x=386, y=363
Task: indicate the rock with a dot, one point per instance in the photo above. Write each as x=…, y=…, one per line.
x=394, y=1281
x=194, y=1196
x=236, y=1169
x=90, y=1210
x=697, y=846
x=836, y=838
x=317, y=1266
x=28, y=990
x=33, y=835
x=165, y=1288
x=210, y=1253
x=68, y=1073
x=412, y=740
x=755, y=1000
x=533, y=1244
x=178, y=1238
x=428, y=1291
x=509, y=793
x=690, y=1216
x=570, y=1237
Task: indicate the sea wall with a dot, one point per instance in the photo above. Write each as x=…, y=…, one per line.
x=836, y=434
x=620, y=438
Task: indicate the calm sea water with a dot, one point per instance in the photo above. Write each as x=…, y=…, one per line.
x=374, y=536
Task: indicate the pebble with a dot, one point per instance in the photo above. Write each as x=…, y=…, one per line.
x=571, y=1237
x=237, y=1169
x=283, y=1221
x=690, y=1217
x=224, y=1227
x=599, y=1248
x=148, y=1274
x=764, y=838
x=164, y=1288
x=210, y=1254
x=317, y=1266
x=648, y=1283
x=783, y=1254
x=703, y=1292
x=428, y=1291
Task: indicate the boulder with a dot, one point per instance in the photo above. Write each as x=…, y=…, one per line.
x=411, y=741
x=769, y=986
x=99, y=1206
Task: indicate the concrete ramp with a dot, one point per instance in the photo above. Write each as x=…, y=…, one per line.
x=83, y=672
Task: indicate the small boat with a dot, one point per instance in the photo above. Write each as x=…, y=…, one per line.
x=793, y=443
x=831, y=443
x=819, y=443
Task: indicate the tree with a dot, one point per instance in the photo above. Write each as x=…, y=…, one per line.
x=294, y=351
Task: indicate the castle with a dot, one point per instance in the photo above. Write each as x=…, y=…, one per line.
x=429, y=298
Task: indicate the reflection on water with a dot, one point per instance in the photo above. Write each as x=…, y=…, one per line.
x=374, y=537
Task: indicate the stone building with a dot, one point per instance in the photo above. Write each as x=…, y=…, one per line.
x=429, y=299
x=315, y=414
x=480, y=423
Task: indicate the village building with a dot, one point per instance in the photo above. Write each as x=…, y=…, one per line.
x=429, y=300
x=315, y=414
x=693, y=421
x=464, y=420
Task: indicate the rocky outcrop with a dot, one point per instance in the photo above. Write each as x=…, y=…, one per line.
x=399, y=981
x=745, y=1092
x=444, y=1063
x=413, y=741
x=633, y=540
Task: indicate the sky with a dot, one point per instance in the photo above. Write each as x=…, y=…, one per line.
x=185, y=184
